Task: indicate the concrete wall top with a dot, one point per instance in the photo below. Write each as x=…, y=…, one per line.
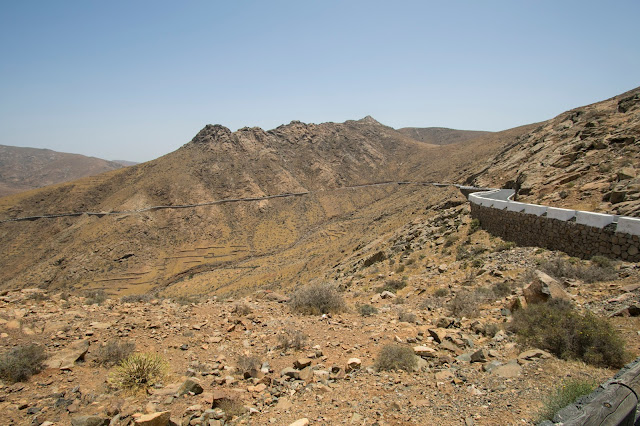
x=597, y=220
x=560, y=214
x=629, y=225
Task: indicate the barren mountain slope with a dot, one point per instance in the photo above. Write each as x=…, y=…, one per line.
x=441, y=135
x=586, y=158
x=22, y=169
x=137, y=252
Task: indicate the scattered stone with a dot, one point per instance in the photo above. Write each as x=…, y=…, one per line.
x=424, y=351
x=508, y=370
x=479, y=356
x=65, y=359
x=534, y=354
x=301, y=363
x=190, y=386
x=89, y=421
x=161, y=418
x=544, y=288
x=353, y=364
x=300, y=422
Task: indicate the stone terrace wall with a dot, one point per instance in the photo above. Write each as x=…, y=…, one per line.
x=573, y=238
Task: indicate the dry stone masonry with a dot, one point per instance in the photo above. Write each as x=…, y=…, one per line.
x=577, y=233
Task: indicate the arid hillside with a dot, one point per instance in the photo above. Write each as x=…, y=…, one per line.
x=440, y=135
x=428, y=319
x=22, y=169
x=587, y=158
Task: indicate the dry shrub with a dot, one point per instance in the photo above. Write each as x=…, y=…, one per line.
x=396, y=357
x=392, y=286
x=598, y=270
x=22, y=362
x=441, y=292
x=242, y=309
x=139, y=371
x=367, y=310
x=291, y=338
x=317, y=299
x=409, y=317
x=246, y=363
x=95, y=297
x=466, y=303
x=558, y=328
x=136, y=298
x=114, y=352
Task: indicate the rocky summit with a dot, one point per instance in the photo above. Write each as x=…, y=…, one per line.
x=311, y=274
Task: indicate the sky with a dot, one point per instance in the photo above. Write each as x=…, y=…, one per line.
x=134, y=80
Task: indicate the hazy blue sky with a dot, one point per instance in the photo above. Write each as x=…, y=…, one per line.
x=137, y=79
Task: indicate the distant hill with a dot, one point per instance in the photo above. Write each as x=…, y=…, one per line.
x=125, y=162
x=22, y=169
x=441, y=135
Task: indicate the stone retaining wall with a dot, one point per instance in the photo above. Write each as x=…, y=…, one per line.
x=573, y=238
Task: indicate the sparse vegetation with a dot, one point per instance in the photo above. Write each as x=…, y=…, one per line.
x=409, y=317
x=22, y=362
x=317, y=299
x=95, y=297
x=465, y=303
x=136, y=298
x=367, y=310
x=558, y=328
x=242, y=309
x=247, y=363
x=441, y=292
x=501, y=289
x=396, y=357
x=392, y=286
x=504, y=246
x=474, y=226
x=291, y=338
x=231, y=407
x=139, y=371
x=600, y=269
x=565, y=394
x=114, y=352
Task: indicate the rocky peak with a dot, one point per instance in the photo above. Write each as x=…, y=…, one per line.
x=368, y=120
x=211, y=133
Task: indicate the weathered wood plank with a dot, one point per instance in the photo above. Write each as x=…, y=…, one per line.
x=613, y=403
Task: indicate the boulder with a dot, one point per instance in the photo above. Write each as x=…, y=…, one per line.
x=190, y=386
x=508, y=370
x=154, y=419
x=353, y=364
x=65, y=358
x=90, y=421
x=424, y=351
x=438, y=334
x=301, y=363
x=544, y=288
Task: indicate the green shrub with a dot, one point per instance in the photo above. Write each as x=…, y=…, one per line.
x=450, y=240
x=22, y=362
x=600, y=269
x=367, y=310
x=558, y=328
x=317, y=299
x=566, y=393
x=139, y=371
x=114, y=352
x=396, y=357
x=474, y=226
